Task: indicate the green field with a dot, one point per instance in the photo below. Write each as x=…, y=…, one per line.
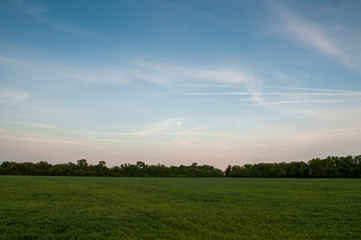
x=178, y=208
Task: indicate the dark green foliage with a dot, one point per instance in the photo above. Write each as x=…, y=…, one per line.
x=46, y=207
x=330, y=167
x=82, y=168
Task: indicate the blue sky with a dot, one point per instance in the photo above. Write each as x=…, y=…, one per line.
x=177, y=82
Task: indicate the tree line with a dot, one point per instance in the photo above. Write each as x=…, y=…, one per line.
x=330, y=167
x=82, y=168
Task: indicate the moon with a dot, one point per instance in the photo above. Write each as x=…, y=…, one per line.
x=179, y=123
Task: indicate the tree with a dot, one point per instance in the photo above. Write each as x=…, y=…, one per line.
x=228, y=171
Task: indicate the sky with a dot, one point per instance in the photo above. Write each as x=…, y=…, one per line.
x=175, y=82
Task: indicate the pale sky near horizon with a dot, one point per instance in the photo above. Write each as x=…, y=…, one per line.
x=175, y=82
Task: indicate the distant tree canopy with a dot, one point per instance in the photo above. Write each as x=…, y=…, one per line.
x=82, y=168
x=330, y=167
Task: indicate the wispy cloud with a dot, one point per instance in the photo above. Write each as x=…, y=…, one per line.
x=283, y=100
x=168, y=76
x=73, y=29
x=286, y=94
x=40, y=140
x=31, y=8
x=165, y=73
x=31, y=124
x=161, y=74
x=350, y=113
x=159, y=128
x=55, y=70
x=8, y=96
x=308, y=32
x=188, y=78
x=207, y=85
x=339, y=42
x=317, y=90
x=170, y=127
x=41, y=14
x=304, y=101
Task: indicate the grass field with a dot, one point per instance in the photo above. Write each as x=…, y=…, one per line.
x=178, y=208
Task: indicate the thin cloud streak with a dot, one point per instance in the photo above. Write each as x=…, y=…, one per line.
x=165, y=73
x=40, y=140
x=7, y=96
x=309, y=32
x=343, y=44
x=159, y=74
x=208, y=86
x=30, y=8
x=274, y=94
x=36, y=125
x=72, y=29
x=304, y=101
x=316, y=89
x=41, y=14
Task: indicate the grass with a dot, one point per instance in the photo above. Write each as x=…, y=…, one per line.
x=178, y=208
